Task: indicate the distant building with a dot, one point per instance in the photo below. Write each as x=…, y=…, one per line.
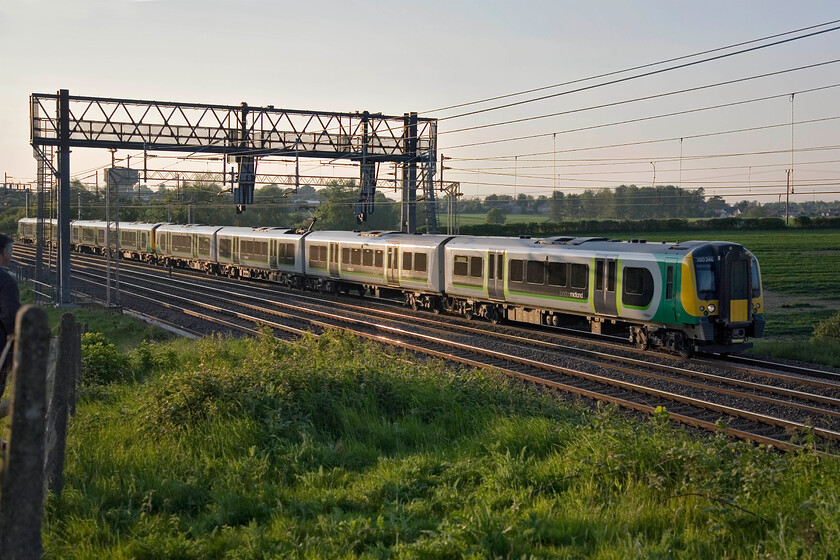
x=123, y=181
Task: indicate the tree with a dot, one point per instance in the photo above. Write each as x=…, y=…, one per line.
x=496, y=216
x=337, y=209
x=557, y=206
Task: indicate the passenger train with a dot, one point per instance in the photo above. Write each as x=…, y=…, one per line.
x=691, y=296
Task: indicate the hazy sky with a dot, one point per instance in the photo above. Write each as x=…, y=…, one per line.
x=395, y=57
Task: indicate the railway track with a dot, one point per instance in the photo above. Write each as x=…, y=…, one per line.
x=764, y=406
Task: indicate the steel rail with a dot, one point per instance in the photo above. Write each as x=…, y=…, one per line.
x=610, y=357
x=760, y=418
x=633, y=387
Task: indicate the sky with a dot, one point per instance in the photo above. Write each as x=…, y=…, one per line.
x=396, y=57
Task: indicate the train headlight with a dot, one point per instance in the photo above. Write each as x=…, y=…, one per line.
x=712, y=308
x=702, y=308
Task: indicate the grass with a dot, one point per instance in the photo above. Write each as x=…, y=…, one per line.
x=126, y=332
x=336, y=448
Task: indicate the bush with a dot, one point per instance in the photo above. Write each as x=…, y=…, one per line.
x=496, y=216
x=828, y=330
x=102, y=363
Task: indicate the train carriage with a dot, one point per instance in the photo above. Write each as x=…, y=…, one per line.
x=28, y=230
x=270, y=253
x=137, y=239
x=190, y=246
x=380, y=262
x=690, y=296
x=88, y=236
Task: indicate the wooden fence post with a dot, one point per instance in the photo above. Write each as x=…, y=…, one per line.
x=74, y=360
x=59, y=401
x=22, y=485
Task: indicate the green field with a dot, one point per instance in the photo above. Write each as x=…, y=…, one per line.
x=336, y=448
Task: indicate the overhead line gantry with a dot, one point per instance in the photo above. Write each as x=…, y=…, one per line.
x=243, y=133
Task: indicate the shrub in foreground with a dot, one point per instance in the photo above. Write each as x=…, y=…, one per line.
x=828, y=330
x=102, y=362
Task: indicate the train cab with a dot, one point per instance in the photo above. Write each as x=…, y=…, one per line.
x=722, y=288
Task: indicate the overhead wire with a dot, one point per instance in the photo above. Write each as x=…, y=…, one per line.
x=641, y=119
x=637, y=76
x=640, y=67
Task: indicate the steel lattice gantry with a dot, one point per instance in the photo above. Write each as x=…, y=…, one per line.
x=243, y=132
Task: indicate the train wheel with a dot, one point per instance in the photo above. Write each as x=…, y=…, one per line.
x=639, y=338
x=493, y=314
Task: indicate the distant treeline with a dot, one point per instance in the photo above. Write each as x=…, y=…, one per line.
x=546, y=229
x=626, y=208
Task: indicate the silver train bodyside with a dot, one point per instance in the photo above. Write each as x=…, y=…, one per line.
x=691, y=296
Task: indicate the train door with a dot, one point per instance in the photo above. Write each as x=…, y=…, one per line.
x=333, y=266
x=604, y=290
x=495, y=275
x=672, y=268
x=735, y=298
x=393, y=263
x=235, y=254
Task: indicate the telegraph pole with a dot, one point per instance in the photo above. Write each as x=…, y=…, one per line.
x=787, y=198
x=108, y=231
x=64, y=198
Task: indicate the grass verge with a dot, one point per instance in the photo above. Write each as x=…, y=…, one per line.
x=336, y=448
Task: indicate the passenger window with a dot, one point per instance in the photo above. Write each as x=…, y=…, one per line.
x=356, y=256
x=224, y=248
x=367, y=257
x=345, y=255
x=460, y=266
x=420, y=262
x=580, y=276
x=476, y=265
x=407, y=261
x=637, y=286
x=377, y=259
x=536, y=272
x=634, y=281
x=557, y=273
x=515, y=270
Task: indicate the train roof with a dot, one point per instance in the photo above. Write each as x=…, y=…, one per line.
x=582, y=244
x=188, y=228
x=125, y=226
x=379, y=238
x=261, y=232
